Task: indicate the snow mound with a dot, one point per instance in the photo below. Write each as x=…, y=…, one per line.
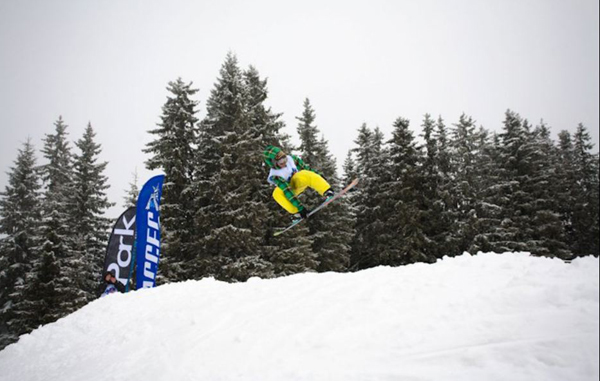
x=484, y=317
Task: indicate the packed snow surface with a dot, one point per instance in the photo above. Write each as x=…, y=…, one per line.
x=485, y=317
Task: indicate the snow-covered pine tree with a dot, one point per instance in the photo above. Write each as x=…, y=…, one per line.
x=232, y=208
x=585, y=208
x=487, y=220
x=59, y=225
x=173, y=151
x=595, y=195
x=378, y=205
x=206, y=259
x=331, y=230
x=362, y=168
x=449, y=236
x=19, y=220
x=91, y=204
x=42, y=292
x=369, y=203
x=443, y=148
x=225, y=108
x=52, y=290
x=404, y=195
x=524, y=197
x=256, y=127
x=429, y=216
x=308, y=132
x=565, y=174
x=364, y=150
x=131, y=195
x=232, y=199
x=284, y=255
x=265, y=123
x=333, y=238
x=465, y=152
x=6, y=336
x=349, y=169
x=547, y=230
x=523, y=185
x=513, y=234
x=429, y=166
x=435, y=219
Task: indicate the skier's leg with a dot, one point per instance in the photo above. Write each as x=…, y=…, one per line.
x=304, y=179
x=300, y=181
x=279, y=196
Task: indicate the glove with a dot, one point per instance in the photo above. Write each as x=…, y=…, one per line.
x=304, y=213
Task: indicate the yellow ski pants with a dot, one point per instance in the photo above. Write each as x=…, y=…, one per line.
x=298, y=184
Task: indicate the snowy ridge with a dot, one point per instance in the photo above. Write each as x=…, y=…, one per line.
x=484, y=317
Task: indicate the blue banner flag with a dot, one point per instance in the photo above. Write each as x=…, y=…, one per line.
x=148, y=232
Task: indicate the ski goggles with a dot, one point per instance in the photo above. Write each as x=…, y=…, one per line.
x=280, y=158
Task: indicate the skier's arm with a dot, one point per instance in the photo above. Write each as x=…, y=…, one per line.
x=285, y=187
x=301, y=165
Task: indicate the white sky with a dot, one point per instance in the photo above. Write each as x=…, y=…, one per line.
x=109, y=62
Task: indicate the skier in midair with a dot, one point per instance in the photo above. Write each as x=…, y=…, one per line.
x=291, y=176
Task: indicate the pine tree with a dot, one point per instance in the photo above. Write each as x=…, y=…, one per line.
x=525, y=198
x=330, y=232
x=429, y=167
x=350, y=172
x=19, y=219
x=349, y=168
x=233, y=197
x=373, y=237
x=465, y=152
x=225, y=107
x=404, y=195
x=293, y=253
x=133, y=192
x=238, y=154
x=91, y=203
x=434, y=215
x=566, y=185
x=446, y=205
x=487, y=220
x=6, y=336
x=42, y=293
x=547, y=232
x=364, y=151
x=265, y=129
x=513, y=233
x=523, y=186
x=362, y=168
x=585, y=208
x=309, y=134
x=59, y=226
x=173, y=151
x=443, y=148
x=206, y=258
x=52, y=289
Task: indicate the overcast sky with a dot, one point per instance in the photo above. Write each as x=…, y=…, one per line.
x=109, y=62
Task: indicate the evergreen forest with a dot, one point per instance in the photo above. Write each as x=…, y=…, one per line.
x=452, y=187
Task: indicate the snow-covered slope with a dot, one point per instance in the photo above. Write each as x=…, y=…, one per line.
x=485, y=317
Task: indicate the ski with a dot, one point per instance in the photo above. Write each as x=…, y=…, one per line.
x=324, y=204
